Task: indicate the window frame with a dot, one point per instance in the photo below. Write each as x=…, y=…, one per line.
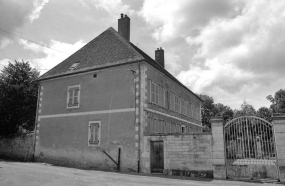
x=183, y=106
x=68, y=96
x=99, y=133
x=165, y=96
x=177, y=104
x=154, y=93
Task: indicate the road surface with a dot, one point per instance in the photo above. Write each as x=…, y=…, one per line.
x=37, y=174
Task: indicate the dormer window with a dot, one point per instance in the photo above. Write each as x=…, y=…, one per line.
x=74, y=65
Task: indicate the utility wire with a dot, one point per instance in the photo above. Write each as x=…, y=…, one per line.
x=33, y=41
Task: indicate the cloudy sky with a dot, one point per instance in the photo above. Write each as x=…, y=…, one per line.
x=230, y=50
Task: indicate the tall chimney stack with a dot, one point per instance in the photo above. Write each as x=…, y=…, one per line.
x=159, y=56
x=124, y=26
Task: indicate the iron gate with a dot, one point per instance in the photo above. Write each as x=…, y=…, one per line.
x=250, y=148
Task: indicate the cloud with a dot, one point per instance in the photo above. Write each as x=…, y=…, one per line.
x=38, y=4
x=14, y=15
x=235, y=48
x=172, y=19
x=112, y=7
x=252, y=43
x=52, y=57
x=5, y=42
x=3, y=63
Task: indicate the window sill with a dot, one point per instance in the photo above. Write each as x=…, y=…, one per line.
x=71, y=107
x=93, y=145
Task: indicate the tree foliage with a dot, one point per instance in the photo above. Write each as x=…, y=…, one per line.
x=207, y=110
x=224, y=111
x=18, y=98
x=210, y=109
x=245, y=110
x=265, y=113
x=278, y=101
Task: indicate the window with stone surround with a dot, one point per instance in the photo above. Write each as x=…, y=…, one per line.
x=73, y=96
x=94, y=133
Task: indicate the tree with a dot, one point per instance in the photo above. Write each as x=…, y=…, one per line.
x=18, y=98
x=245, y=110
x=278, y=101
x=224, y=111
x=210, y=110
x=207, y=110
x=265, y=113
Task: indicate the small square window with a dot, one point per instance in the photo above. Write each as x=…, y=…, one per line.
x=94, y=132
x=73, y=96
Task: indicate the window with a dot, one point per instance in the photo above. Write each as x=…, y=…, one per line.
x=165, y=98
x=74, y=65
x=192, y=111
x=186, y=108
x=94, y=133
x=154, y=93
x=177, y=104
x=171, y=101
x=73, y=96
x=183, y=129
x=183, y=107
x=160, y=96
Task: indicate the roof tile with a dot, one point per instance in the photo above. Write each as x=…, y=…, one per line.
x=106, y=49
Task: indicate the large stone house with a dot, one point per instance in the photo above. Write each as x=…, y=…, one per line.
x=110, y=95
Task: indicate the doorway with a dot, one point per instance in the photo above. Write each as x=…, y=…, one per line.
x=156, y=157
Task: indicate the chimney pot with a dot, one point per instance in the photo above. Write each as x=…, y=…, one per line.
x=124, y=26
x=159, y=56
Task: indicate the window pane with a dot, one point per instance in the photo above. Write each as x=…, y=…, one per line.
x=94, y=133
x=94, y=136
x=70, y=95
x=91, y=133
x=76, y=91
x=75, y=101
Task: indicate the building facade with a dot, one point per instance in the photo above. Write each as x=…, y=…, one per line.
x=107, y=96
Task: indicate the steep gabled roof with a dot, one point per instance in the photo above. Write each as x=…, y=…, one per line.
x=109, y=48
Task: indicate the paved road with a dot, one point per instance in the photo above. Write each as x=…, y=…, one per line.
x=37, y=174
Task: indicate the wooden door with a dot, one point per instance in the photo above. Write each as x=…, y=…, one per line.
x=156, y=156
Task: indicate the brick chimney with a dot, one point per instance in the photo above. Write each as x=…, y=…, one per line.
x=124, y=26
x=159, y=56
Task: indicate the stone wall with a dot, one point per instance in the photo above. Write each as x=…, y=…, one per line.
x=184, y=155
x=18, y=148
